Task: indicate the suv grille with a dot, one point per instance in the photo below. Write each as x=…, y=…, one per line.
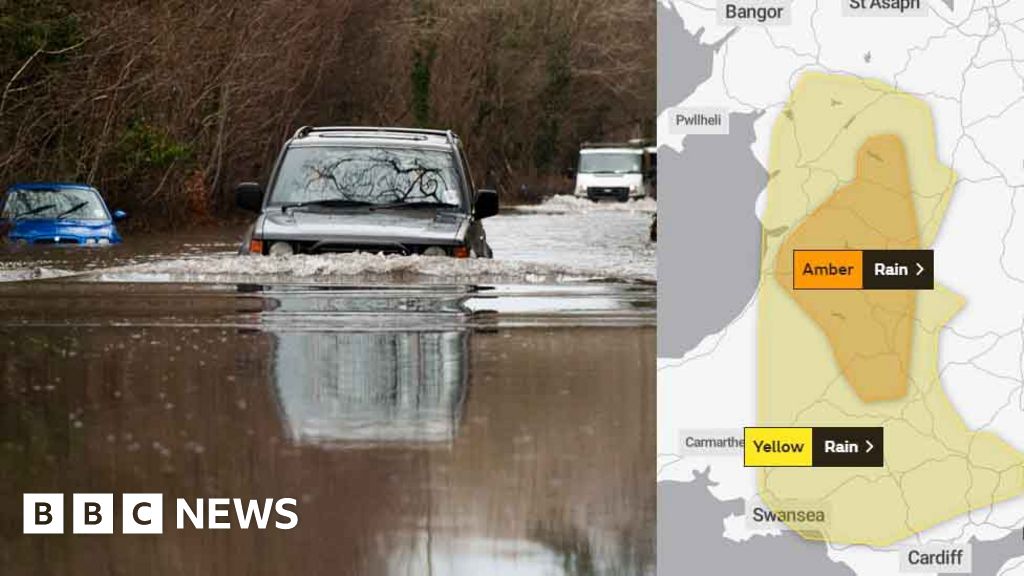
x=341, y=248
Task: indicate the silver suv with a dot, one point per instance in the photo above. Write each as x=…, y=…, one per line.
x=377, y=190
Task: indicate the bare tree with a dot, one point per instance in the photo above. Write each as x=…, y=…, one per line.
x=163, y=105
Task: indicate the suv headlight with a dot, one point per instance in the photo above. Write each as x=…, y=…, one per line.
x=281, y=249
x=435, y=251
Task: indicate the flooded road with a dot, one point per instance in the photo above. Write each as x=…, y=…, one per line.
x=429, y=416
x=565, y=239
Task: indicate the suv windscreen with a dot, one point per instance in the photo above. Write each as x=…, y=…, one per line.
x=609, y=163
x=64, y=203
x=370, y=175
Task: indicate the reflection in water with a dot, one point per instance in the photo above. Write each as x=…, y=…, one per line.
x=371, y=387
x=416, y=441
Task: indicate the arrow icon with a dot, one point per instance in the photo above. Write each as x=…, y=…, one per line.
x=870, y=445
x=920, y=268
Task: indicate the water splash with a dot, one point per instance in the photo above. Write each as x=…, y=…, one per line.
x=342, y=267
x=574, y=205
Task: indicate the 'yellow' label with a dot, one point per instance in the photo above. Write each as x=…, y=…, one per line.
x=777, y=447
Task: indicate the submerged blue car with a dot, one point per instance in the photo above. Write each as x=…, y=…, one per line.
x=57, y=213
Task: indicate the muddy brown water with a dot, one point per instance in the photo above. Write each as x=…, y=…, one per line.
x=423, y=428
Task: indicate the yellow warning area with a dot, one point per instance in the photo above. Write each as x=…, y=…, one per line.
x=777, y=447
x=853, y=166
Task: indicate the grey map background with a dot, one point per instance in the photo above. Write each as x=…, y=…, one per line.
x=708, y=261
x=710, y=237
x=709, y=240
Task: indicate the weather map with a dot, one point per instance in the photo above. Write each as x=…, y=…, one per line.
x=841, y=287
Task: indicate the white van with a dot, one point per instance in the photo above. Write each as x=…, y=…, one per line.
x=611, y=172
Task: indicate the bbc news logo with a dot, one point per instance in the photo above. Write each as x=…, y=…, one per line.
x=144, y=513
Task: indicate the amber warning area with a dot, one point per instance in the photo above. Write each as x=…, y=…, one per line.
x=870, y=332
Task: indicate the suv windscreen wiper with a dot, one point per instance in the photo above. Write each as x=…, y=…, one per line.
x=72, y=210
x=422, y=204
x=330, y=203
x=32, y=211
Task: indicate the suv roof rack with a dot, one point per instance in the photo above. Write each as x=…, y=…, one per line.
x=396, y=136
x=307, y=130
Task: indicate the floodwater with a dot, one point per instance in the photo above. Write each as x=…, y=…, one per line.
x=429, y=416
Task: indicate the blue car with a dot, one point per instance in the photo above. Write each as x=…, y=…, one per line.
x=57, y=213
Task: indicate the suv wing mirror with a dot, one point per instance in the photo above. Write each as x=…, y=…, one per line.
x=249, y=196
x=486, y=204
